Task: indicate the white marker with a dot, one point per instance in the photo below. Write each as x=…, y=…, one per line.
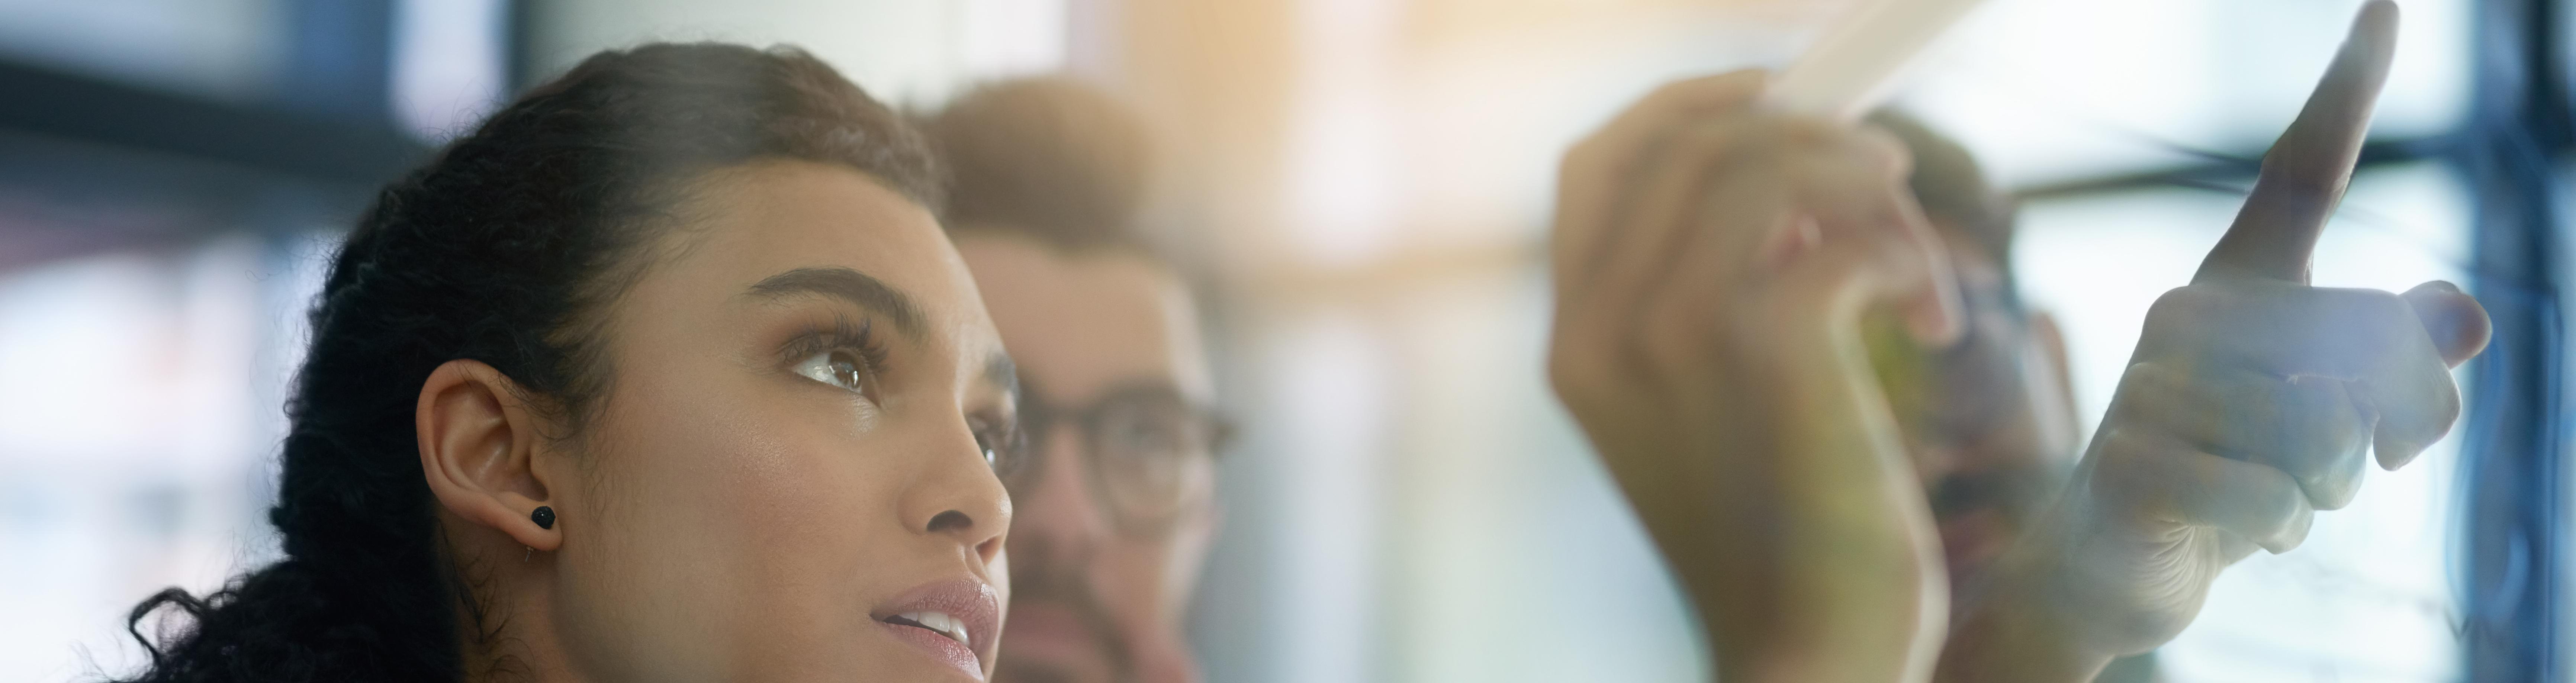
x=1855, y=64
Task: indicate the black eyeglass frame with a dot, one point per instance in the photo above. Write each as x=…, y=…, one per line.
x=1024, y=464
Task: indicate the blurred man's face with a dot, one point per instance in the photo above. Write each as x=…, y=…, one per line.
x=1113, y=491
x=1989, y=420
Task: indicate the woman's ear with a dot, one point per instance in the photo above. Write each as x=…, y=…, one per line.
x=478, y=445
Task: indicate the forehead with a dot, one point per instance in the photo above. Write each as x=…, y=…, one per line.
x=749, y=222
x=1082, y=324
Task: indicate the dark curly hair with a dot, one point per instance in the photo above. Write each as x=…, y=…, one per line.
x=503, y=249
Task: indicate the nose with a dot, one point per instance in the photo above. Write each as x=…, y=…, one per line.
x=1061, y=512
x=960, y=499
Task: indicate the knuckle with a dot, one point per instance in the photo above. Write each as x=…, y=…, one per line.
x=2418, y=419
x=2330, y=415
x=2182, y=305
x=2283, y=510
x=1808, y=131
x=2327, y=470
x=2381, y=324
x=2332, y=489
x=1884, y=148
x=2123, y=470
x=1723, y=140
x=1565, y=375
x=1583, y=368
x=2296, y=532
x=2446, y=407
x=1853, y=186
x=2146, y=389
x=1691, y=89
x=2382, y=312
x=1581, y=160
x=2153, y=376
x=1577, y=341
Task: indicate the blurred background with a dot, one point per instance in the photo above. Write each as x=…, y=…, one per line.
x=1362, y=186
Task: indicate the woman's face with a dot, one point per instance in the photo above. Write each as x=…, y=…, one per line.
x=787, y=477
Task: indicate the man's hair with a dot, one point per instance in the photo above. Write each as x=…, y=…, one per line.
x=1046, y=158
x=1952, y=188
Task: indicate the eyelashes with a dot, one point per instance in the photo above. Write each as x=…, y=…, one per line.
x=843, y=354
x=847, y=355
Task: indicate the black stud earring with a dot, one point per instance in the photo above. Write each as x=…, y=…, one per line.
x=544, y=517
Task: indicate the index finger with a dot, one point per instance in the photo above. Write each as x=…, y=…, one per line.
x=2305, y=173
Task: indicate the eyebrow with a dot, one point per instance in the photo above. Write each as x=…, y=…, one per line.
x=848, y=285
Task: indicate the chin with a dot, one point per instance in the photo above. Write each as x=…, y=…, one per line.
x=1024, y=671
x=1056, y=665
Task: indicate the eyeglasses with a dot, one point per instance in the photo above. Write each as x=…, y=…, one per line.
x=1150, y=452
x=1966, y=390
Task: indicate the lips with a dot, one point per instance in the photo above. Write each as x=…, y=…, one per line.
x=955, y=621
x=939, y=622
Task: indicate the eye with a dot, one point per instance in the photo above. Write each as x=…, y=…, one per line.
x=998, y=442
x=842, y=368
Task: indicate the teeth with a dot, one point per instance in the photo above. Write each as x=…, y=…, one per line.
x=946, y=625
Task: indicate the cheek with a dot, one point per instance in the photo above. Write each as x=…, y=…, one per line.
x=1134, y=579
x=729, y=513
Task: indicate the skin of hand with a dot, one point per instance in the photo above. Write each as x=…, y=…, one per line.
x=2249, y=404
x=1714, y=268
